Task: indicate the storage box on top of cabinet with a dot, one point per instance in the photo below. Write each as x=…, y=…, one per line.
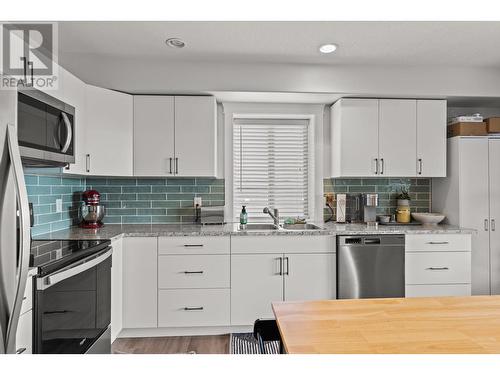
x=388, y=137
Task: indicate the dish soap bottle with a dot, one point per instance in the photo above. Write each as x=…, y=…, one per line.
x=243, y=217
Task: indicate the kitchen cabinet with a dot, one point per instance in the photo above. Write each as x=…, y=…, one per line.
x=154, y=136
x=175, y=136
x=469, y=198
x=108, y=132
x=265, y=269
x=397, y=137
x=388, y=138
x=24, y=333
x=140, y=282
x=437, y=265
x=117, y=288
x=431, y=138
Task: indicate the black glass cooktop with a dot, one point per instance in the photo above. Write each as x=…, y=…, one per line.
x=52, y=255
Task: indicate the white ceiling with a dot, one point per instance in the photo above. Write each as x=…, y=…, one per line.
x=360, y=43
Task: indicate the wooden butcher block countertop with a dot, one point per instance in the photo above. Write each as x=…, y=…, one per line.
x=391, y=325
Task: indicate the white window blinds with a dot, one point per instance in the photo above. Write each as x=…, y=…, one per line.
x=270, y=169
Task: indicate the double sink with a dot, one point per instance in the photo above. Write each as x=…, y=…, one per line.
x=273, y=227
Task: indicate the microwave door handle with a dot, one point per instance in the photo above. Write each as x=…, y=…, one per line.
x=69, y=132
x=10, y=326
x=82, y=266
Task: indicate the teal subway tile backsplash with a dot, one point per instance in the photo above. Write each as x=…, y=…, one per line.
x=387, y=189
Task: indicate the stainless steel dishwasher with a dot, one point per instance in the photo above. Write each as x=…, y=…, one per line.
x=370, y=266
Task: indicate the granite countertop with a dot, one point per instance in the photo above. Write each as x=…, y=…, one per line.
x=112, y=231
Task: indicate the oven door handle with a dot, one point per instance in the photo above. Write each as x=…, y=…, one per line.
x=79, y=267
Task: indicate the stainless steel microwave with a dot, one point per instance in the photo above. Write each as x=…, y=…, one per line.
x=45, y=129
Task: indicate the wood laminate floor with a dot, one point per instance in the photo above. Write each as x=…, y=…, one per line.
x=173, y=345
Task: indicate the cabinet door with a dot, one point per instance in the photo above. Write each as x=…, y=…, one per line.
x=354, y=135
x=24, y=334
x=74, y=94
x=140, y=285
x=195, y=136
x=154, y=136
x=256, y=282
x=117, y=288
x=309, y=277
x=474, y=207
x=108, y=132
x=397, y=137
x=431, y=138
x=494, y=167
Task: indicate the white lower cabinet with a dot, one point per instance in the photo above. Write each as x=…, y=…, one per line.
x=116, y=288
x=24, y=334
x=256, y=281
x=140, y=282
x=193, y=307
x=438, y=265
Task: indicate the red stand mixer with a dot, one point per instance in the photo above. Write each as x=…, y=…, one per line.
x=91, y=211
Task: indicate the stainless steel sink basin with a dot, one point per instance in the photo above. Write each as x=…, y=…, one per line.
x=301, y=227
x=260, y=227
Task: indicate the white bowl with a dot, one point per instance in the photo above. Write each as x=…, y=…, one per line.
x=428, y=217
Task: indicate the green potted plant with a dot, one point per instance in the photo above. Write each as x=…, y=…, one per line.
x=404, y=197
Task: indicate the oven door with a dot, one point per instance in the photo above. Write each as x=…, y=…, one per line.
x=73, y=306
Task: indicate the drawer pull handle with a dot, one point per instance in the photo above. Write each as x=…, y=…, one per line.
x=20, y=351
x=193, y=308
x=437, y=268
x=200, y=245
x=438, y=243
x=191, y=272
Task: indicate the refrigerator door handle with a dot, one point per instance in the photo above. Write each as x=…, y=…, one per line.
x=24, y=238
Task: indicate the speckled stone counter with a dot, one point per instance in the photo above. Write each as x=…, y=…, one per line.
x=111, y=231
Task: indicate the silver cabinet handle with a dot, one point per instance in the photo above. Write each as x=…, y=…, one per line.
x=170, y=162
x=20, y=350
x=176, y=165
x=193, y=308
x=24, y=60
x=382, y=166
x=87, y=162
x=9, y=329
x=69, y=132
x=438, y=243
x=486, y=224
x=437, y=268
x=287, y=266
x=492, y=225
x=376, y=165
x=192, y=272
x=280, y=266
x=194, y=245
x=30, y=64
x=419, y=166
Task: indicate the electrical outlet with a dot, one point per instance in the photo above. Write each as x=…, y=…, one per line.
x=197, y=201
x=58, y=205
x=58, y=253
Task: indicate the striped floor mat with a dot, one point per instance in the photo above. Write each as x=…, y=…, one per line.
x=245, y=343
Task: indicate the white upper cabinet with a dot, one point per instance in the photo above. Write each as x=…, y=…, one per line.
x=154, y=136
x=108, y=132
x=388, y=138
x=355, y=137
x=397, y=137
x=431, y=138
x=175, y=136
x=195, y=136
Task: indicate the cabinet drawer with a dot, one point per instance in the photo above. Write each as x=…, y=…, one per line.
x=194, y=245
x=438, y=242
x=193, y=307
x=283, y=244
x=438, y=268
x=193, y=271
x=438, y=290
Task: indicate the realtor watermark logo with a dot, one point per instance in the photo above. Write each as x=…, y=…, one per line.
x=28, y=55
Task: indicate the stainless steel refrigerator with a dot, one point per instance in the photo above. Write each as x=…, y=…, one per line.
x=14, y=224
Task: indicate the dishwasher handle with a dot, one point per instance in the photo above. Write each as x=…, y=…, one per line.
x=372, y=241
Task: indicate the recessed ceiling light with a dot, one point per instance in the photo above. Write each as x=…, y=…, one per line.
x=327, y=48
x=175, y=43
